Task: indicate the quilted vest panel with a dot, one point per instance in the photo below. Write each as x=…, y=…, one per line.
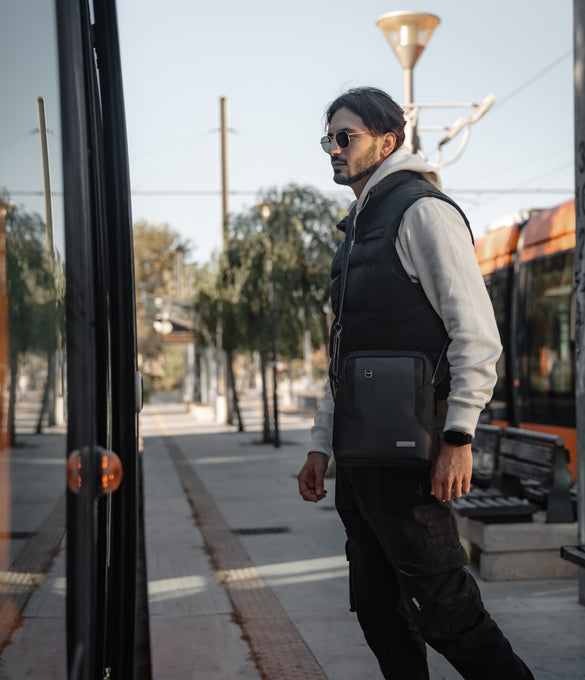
x=383, y=308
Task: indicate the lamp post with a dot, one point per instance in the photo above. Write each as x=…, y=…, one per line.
x=265, y=212
x=408, y=34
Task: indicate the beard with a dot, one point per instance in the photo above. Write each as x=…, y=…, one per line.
x=364, y=167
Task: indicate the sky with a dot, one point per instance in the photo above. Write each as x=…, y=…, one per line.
x=279, y=65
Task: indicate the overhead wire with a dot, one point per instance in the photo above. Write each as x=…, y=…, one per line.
x=10, y=142
x=498, y=105
x=504, y=100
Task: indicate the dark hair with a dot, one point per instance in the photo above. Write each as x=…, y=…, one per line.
x=377, y=109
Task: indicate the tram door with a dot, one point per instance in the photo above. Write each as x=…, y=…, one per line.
x=69, y=391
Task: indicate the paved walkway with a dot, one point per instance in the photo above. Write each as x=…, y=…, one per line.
x=256, y=585
x=248, y=582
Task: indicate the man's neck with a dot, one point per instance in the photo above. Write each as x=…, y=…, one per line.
x=360, y=184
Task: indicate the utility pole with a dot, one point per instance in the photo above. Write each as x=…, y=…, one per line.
x=227, y=381
x=224, y=171
x=46, y=174
x=579, y=51
x=49, y=405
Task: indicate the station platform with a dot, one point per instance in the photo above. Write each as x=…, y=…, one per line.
x=273, y=602
x=247, y=581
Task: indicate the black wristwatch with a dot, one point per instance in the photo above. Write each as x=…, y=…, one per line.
x=456, y=438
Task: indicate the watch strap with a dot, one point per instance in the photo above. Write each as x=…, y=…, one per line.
x=457, y=438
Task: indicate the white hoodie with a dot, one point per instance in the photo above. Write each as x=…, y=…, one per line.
x=436, y=251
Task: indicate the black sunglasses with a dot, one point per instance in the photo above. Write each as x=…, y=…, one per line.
x=342, y=139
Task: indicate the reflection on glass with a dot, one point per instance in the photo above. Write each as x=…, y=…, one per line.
x=498, y=287
x=4, y=401
x=32, y=329
x=35, y=282
x=550, y=351
x=548, y=344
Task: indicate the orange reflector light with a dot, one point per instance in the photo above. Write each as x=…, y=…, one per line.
x=93, y=471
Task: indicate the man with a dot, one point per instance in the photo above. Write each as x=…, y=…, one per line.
x=412, y=285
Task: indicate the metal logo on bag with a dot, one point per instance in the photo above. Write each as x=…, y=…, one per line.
x=368, y=373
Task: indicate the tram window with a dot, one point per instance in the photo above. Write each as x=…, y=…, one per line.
x=32, y=311
x=547, y=350
x=497, y=284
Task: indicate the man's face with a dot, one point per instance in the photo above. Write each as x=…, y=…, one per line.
x=356, y=163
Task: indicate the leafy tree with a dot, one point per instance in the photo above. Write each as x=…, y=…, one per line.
x=301, y=226
x=155, y=257
x=275, y=273
x=35, y=301
x=203, y=281
x=212, y=306
x=244, y=307
x=298, y=238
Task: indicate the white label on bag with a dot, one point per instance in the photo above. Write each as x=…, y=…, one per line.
x=405, y=445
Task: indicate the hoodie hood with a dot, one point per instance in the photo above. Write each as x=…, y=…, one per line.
x=401, y=159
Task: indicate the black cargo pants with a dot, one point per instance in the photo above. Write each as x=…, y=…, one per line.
x=408, y=583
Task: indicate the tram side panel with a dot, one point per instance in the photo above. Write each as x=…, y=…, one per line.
x=528, y=269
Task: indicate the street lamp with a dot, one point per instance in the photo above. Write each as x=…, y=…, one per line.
x=408, y=34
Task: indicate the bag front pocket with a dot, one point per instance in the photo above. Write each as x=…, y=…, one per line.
x=384, y=409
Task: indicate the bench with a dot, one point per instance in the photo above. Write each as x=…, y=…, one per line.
x=574, y=498
x=485, y=501
x=574, y=554
x=535, y=466
x=529, y=473
x=493, y=507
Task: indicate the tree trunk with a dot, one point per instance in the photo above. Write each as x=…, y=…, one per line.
x=266, y=436
x=47, y=404
x=325, y=331
x=12, y=399
x=234, y=390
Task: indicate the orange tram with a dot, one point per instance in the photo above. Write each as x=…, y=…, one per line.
x=528, y=268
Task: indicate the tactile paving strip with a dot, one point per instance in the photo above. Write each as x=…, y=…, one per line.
x=276, y=646
x=28, y=570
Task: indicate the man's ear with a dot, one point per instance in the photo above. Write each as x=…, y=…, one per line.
x=389, y=144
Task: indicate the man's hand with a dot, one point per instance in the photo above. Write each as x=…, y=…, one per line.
x=311, y=476
x=451, y=477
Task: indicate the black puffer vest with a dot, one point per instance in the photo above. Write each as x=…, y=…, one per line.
x=382, y=307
